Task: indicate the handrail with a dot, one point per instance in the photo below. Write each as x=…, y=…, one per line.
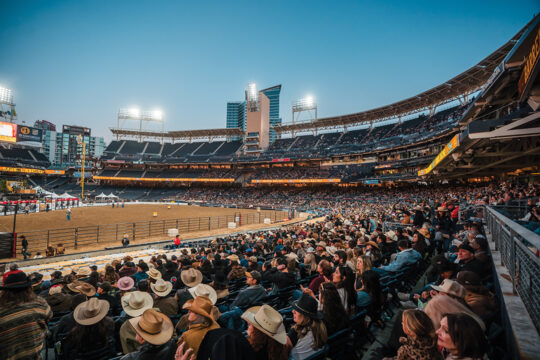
x=516, y=228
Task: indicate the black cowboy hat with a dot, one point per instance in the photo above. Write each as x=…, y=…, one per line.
x=307, y=306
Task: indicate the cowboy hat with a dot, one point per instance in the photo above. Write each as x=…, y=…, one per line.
x=72, y=286
x=154, y=327
x=451, y=287
x=136, y=302
x=191, y=277
x=267, y=320
x=200, y=305
x=161, y=287
x=442, y=208
x=91, y=311
x=17, y=280
x=292, y=256
x=233, y=257
x=417, y=208
x=154, y=274
x=57, y=289
x=307, y=306
x=372, y=243
x=125, y=283
x=83, y=271
x=391, y=235
x=204, y=290
x=425, y=232
x=86, y=289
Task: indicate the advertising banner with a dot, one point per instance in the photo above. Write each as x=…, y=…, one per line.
x=27, y=133
x=8, y=132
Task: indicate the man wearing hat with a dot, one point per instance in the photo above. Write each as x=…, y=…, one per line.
x=467, y=260
x=134, y=304
x=142, y=269
x=200, y=320
x=253, y=294
x=58, y=300
x=154, y=333
x=23, y=318
x=190, y=278
x=166, y=304
x=104, y=292
x=477, y=296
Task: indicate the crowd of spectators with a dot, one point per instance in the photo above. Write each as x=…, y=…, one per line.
x=294, y=291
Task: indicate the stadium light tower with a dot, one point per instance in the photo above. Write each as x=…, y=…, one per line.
x=6, y=99
x=135, y=114
x=307, y=104
x=252, y=97
x=81, y=142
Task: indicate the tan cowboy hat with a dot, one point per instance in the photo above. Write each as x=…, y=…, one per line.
x=161, y=287
x=451, y=287
x=84, y=271
x=442, y=208
x=73, y=286
x=267, y=320
x=233, y=257
x=201, y=305
x=391, y=235
x=424, y=232
x=86, y=289
x=191, y=277
x=291, y=256
x=417, y=208
x=154, y=274
x=322, y=244
x=204, y=290
x=154, y=327
x=91, y=311
x=136, y=302
x=372, y=243
x=57, y=289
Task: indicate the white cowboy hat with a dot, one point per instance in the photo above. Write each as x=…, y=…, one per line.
x=161, y=288
x=267, y=320
x=136, y=302
x=204, y=290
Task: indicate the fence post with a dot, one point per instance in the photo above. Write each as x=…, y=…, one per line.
x=97, y=237
x=133, y=231
x=48, y=237
x=199, y=223
x=76, y=236
x=209, y=223
x=177, y=225
x=116, y=236
x=188, y=224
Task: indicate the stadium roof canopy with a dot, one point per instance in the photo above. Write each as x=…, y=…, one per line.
x=457, y=88
x=178, y=134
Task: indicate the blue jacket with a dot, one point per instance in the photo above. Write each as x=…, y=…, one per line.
x=403, y=258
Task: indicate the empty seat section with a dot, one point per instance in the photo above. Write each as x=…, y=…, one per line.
x=229, y=148
x=114, y=146
x=153, y=148
x=187, y=149
x=132, y=147
x=130, y=173
x=169, y=148
x=208, y=148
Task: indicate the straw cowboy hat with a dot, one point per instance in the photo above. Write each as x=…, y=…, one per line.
x=442, y=208
x=233, y=257
x=418, y=208
x=91, y=312
x=391, y=235
x=125, y=283
x=372, y=243
x=200, y=305
x=161, y=287
x=86, y=289
x=57, y=289
x=424, y=232
x=154, y=274
x=451, y=287
x=84, y=271
x=267, y=320
x=154, y=327
x=136, y=302
x=191, y=277
x=204, y=290
x=291, y=256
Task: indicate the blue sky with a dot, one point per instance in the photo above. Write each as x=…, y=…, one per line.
x=78, y=62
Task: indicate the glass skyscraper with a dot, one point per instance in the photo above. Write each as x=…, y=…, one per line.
x=272, y=93
x=236, y=115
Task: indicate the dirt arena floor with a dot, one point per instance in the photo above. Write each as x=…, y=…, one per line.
x=102, y=215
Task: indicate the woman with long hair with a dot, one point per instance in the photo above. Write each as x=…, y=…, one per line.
x=363, y=263
x=308, y=334
x=266, y=333
x=461, y=337
x=334, y=315
x=110, y=275
x=310, y=264
x=421, y=340
x=371, y=293
x=343, y=278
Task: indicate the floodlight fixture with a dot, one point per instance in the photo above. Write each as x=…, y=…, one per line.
x=134, y=112
x=6, y=96
x=157, y=115
x=306, y=104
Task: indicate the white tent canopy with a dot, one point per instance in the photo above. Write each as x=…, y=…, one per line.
x=112, y=196
x=102, y=195
x=66, y=195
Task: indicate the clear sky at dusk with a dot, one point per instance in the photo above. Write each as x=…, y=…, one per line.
x=78, y=62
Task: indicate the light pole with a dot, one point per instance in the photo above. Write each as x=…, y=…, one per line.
x=80, y=141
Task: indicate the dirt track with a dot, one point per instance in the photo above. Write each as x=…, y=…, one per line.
x=101, y=215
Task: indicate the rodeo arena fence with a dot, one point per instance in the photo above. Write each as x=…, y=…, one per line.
x=72, y=238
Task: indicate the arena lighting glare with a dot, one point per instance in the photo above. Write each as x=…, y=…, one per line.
x=135, y=114
x=306, y=104
x=252, y=97
x=157, y=115
x=6, y=96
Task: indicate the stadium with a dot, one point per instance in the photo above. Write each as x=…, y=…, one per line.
x=317, y=238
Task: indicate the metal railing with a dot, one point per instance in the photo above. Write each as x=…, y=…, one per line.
x=72, y=238
x=387, y=226
x=518, y=247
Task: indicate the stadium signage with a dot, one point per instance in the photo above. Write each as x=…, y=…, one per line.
x=281, y=160
x=8, y=132
x=21, y=170
x=294, y=181
x=451, y=146
x=162, y=179
x=27, y=133
x=530, y=64
x=55, y=172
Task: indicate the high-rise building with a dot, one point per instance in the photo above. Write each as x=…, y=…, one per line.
x=44, y=125
x=236, y=115
x=272, y=93
x=61, y=148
